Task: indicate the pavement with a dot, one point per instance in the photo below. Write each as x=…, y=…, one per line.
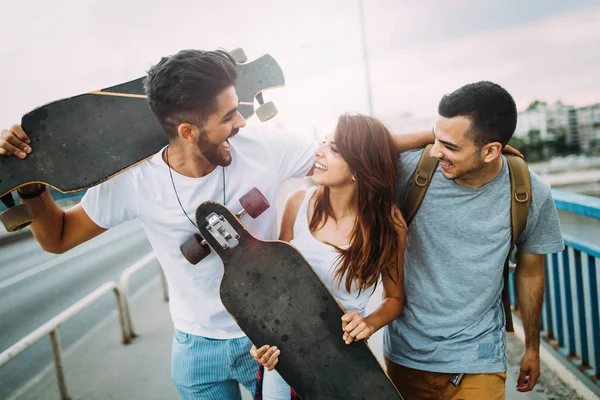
x=35, y=286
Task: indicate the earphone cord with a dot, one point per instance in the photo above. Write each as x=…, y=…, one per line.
x=175, y=189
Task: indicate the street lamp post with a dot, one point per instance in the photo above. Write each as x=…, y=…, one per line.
x=363, y=36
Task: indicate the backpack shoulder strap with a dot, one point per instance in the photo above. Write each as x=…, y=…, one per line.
x=419, y=184
x=520, y=182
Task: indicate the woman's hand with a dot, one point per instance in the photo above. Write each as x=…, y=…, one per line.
x=355, y=327
x=267, y=356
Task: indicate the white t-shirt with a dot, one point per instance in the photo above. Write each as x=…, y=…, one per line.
x=323, y=259
x=260, y=158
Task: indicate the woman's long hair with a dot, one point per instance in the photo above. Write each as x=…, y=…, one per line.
x=368, y=148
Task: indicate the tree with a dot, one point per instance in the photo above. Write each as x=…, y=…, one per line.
x=518, y=144
x=535, y=145
x=534, y=137
x=560, y=145
x=534, y=104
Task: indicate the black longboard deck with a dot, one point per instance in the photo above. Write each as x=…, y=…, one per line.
x=83, y=140
x=277, y=299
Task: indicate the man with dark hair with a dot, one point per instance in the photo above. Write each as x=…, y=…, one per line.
x=492, y=110
x=184, y=87
x=453, y=320
x=192, y=95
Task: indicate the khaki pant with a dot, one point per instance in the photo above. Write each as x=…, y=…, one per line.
x=414, y=384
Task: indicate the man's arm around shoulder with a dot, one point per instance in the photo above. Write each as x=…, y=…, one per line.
x=56, y=230
x=412, y=141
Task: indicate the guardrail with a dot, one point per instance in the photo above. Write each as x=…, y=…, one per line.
x=51, y=327
x=128, y=332
x=570, y=314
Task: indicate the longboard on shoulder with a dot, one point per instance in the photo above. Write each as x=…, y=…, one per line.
x=84, y=140
x=276, y=298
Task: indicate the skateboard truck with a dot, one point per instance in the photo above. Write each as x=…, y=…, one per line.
x=15, y=217
x=265, y=111
x=195, y=249
x=222, y=230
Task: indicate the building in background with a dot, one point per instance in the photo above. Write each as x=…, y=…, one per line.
x=544, y=122
x=588, y=125
x=532, y=124
x=568, y=129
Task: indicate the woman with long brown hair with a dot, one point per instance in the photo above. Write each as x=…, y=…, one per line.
x=349, y=230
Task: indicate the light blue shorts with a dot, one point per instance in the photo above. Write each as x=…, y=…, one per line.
x=274, y=387
x=204, y=368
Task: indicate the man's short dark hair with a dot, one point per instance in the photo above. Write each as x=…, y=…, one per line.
x=491, y=109
x=183, y=87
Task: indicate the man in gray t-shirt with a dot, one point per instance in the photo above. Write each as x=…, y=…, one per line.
x=453, y=319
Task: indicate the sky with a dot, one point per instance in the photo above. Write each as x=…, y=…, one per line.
x=417, y=51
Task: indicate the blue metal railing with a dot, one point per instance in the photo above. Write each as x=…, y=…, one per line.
x=571, y=311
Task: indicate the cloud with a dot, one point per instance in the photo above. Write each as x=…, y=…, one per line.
x=418, y=51
x=549, y=59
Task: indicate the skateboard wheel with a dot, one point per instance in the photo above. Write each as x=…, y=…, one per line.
x=266, y=111
x=254, y=203
x=193, y=250
x=17, y=217
x=239, y=55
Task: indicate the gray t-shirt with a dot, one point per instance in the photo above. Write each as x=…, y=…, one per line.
x=453, y=319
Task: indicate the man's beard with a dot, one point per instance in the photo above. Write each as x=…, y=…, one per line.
x=473, y=170
x=211, y=152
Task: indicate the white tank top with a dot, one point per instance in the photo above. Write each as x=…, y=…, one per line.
x=323, y=259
